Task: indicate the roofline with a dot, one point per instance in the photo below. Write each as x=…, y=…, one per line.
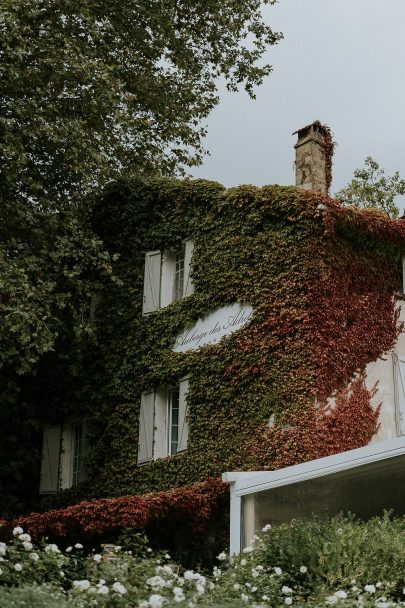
x=255, y=481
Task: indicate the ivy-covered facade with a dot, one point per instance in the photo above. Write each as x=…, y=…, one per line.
x=323, y=284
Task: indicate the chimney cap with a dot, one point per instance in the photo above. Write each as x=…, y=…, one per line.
x=317, y=125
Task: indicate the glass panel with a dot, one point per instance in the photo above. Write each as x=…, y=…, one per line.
x=365, y=490
x=77, y=452
x=179, y=274
x=173, y=420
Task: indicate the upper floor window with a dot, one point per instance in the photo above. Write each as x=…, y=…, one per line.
x=167, y=277
x=163, y=422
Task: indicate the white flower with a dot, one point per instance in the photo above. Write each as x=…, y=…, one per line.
x=178, y=594
x=236, y=586
x=254, y=538
x=248, y=549
x=103, y=590
x=222, y=556
x=52, y=548
x=303, y=569
x=378, y=585
x=216, y=572
x=27, y=545
x=189, y=575
x=266, y=528
x=288, y=601
x=341, y=595
x=167, y=556
x=253, y=589
x=3, y=548
x=331, y=599
x=34, y=556
x=156, y=582
x=18, y=567
x=97, y=557
x=369, y=588
x=69, y=549
x=278, y=571
x=23, y=537
x=200, y=588
x=255, y=573
x=17, y=531
x=81, y=585
x=286, y=590
x=243, y=562
x=119, y=588
x=1, y=571
x=244, y=597
x=259, y=567
x=149, y=550
x=265, y=598
x=78, y=546
x=156, y=601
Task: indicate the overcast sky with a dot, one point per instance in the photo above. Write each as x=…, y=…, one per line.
x=342, y=62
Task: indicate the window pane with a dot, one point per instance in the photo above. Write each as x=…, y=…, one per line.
x=173, y=420
x=179, y=274
x=365, y=490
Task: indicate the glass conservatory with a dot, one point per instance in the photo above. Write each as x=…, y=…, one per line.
x=365, y=481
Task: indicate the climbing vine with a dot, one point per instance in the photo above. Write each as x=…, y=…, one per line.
x=321, y=280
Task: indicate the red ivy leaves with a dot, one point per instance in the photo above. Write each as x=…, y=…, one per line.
x=191, y=506
x=318, y=431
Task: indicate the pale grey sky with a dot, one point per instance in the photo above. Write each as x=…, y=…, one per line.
x=342, y=62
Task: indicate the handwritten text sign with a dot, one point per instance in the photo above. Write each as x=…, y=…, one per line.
x=214, y=326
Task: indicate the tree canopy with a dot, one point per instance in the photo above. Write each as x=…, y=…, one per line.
x=91, y=89
x=371, y=188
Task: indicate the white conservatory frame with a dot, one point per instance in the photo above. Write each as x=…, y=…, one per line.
x=248, y=483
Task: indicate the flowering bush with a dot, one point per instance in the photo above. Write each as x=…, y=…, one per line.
x=315, y=564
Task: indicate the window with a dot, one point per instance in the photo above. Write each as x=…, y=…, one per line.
x=167, y=277
x=64, y=450
x=399, y=384
x=163, y=424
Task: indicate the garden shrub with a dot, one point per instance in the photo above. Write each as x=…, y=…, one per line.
x=342, y=562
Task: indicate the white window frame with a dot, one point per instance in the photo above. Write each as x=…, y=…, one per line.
x=161, y=417
x=160, y=277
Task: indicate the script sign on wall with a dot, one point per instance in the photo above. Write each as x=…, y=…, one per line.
x=214, y=326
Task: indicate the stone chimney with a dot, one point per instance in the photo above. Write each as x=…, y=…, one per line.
x=313, y=157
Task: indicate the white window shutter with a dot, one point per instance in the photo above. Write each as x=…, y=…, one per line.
x=188, y=283
x=400, y=392
x=151, y=285
x=146, y=427
x=183, y=413
x=50, y=460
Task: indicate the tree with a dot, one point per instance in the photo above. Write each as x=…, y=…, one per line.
x=94, y=88
x=371, y=188
x=91, y=89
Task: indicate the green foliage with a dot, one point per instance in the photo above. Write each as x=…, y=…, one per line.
x=371, y=188
x=91, y=89
x=30, y=596
x=341, y=561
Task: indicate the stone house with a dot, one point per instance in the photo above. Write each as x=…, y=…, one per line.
x=249, y=329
